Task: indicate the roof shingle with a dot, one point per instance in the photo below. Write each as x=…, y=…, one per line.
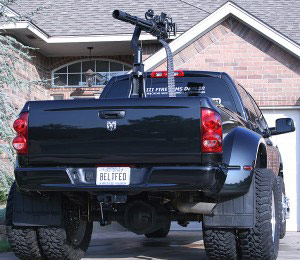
x=93, y=17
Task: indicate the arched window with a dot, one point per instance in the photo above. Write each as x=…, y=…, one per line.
x=73, y=74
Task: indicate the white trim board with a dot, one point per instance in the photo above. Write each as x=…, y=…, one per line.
x=8, y=11
x=213, y=20
x=75, y=39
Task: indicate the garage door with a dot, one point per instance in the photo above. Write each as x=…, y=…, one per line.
x=289, y=146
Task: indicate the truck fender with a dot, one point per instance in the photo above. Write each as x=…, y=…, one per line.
x=236, y=200
x=240, y=148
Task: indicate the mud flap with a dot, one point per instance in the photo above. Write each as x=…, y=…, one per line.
x=30, y=210
x=235, y=213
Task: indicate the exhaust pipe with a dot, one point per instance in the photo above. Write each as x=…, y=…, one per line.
x=196, y=207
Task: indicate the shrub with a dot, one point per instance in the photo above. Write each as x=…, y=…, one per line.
x=6, y=180
x=12, y=57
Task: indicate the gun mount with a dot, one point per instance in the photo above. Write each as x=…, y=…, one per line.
x=161, y=27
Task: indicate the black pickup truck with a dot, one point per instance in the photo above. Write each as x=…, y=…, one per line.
x=204, y=155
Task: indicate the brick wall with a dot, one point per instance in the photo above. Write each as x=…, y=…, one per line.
x=34, y=69
x=268, y=72
x=150, y=48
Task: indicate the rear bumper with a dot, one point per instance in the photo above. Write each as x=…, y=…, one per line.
x=185, y=178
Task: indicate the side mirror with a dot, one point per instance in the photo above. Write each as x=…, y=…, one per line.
x=283, y=125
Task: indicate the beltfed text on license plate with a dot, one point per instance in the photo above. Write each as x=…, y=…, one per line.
x=113, y=176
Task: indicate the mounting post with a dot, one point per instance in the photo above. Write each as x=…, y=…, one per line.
x=137, y=75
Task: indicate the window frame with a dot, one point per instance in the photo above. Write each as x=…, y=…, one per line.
x=53, y=72
x=246, y=108
x=259, y=124
x=260, y=117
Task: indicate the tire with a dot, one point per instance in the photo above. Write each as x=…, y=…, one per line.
x=23, y=240
x=58, y=243
x=262, y=241
x=283, y=217
x=161, y=233
x=220, y=244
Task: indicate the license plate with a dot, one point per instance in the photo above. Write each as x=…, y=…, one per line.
x=107, y=176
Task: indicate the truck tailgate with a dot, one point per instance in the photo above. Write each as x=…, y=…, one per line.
x=95, y=131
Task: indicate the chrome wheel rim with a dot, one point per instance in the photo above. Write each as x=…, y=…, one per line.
x=283, y=208
x=273, y=219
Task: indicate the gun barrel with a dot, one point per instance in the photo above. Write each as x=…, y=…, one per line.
x=125, y=17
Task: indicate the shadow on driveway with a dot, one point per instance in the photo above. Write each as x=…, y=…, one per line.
x=119, y=245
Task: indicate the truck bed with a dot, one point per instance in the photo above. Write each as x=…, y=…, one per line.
x=97, y=131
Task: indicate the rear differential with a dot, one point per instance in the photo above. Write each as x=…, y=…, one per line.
x=143, y=217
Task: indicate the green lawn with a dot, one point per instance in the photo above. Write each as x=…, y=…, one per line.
x=4, y=246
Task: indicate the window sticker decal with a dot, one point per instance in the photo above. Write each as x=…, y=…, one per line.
x=191, y=89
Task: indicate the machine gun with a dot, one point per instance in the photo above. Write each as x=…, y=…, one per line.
x=160, y=26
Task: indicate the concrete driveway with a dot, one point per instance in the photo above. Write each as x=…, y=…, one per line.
x=179, y=245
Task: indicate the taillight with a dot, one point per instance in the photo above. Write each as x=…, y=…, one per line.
x=20, y=143
x=211, y=135
x=164, y=74
x=20, y=125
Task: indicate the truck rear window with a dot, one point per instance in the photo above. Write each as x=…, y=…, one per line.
x=214, y=88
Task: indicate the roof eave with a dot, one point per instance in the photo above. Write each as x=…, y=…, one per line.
x=74, y=38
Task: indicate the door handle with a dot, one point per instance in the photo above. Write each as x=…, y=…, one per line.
x=112, y=114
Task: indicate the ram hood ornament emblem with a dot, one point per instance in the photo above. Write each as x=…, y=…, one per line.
x=111, y=125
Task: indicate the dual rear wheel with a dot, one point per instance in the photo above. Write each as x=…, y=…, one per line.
x=68, y=242
x=260, y=242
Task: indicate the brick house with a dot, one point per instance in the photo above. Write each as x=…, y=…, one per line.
x=257, y=43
